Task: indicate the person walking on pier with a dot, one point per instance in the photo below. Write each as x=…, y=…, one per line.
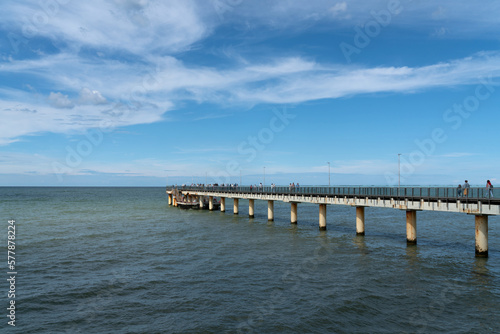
x=466, y=187
x=459, y=190
x=489, y=188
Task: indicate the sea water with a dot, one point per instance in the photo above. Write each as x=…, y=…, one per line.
x=120, y=260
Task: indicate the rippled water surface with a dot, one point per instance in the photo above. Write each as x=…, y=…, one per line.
x=120, y=260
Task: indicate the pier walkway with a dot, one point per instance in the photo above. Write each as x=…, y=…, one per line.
x=476, y=201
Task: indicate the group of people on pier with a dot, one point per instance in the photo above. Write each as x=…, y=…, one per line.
x=292, y=187
x=463, y=190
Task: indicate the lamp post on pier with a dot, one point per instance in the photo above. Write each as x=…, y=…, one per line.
x=328, y=173
x=399, y=172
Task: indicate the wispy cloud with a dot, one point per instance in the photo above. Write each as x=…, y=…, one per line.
x=132, y=26
x=59, y=100
x=126, y=99
x=88, y=96
x=457, y=155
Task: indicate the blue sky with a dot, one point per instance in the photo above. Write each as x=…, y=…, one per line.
x=138, y=92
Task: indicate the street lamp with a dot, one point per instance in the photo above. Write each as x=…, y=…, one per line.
x=399, y=171
x=328, y=173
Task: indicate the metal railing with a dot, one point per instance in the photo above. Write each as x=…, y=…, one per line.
x=445, y=194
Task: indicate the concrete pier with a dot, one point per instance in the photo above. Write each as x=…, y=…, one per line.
x=200, y=201
x=222, y=204
x=270, y=211
x=481, y=235
x=360, y=220
x=411, y=227
x=436, y=199
x=211, y=203
x=322, y=217
x=293, y=213
x=251, y=208
x=235, y=205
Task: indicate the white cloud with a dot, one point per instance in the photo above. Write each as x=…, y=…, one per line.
x=59, y=100
x=138, y=97
x=461, y=17
x=150, y=80
x=440, y=32
x=38, y=164
x=29, y=118
x=457, y=155
x=88, y=96
x=135, y=26
x=338, y=9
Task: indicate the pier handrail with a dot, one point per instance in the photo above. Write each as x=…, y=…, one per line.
x=444, y=194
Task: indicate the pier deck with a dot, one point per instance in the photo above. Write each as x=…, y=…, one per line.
x=476, y=201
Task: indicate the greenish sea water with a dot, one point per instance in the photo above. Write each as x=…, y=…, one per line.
x=120, y=260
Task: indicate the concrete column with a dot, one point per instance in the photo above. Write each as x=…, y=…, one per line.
x=481, y=236
x=270, y=211
x=411, y=227
x=222, y=204
x=174, y=201
x=293, y=213
x=235, y=205
x=200, y=199
x=251, y=208
x=211, y=203
x=360, y=220
x=169, y=199
x=322, y=217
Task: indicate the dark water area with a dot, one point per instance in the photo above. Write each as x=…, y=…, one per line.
x=120, y=260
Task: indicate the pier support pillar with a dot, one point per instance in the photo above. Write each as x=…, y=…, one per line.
x=360, y=220
x=270, y=211
x=200, y=201
x=222, y=204
x=235, y=205
x=411, y=227
x=169, y=199
x=293, y=213
x=322, y=217
x=174, y=202
x=251, y=207
x=211, y=203
x=481, y=236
